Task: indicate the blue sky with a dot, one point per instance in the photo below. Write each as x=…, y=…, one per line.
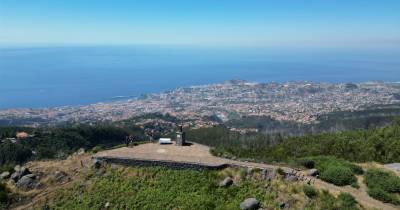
x=261, y=23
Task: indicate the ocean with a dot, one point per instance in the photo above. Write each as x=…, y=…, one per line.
x=37, y=77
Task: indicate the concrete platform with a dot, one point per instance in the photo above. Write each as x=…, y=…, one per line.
x=153, y=154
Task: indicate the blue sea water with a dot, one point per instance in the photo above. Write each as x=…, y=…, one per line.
x=55, y=76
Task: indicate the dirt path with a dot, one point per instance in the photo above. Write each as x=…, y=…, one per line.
x=359, y=194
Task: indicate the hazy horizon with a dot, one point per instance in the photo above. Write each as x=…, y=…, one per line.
x=306, y=24
x=56, y=53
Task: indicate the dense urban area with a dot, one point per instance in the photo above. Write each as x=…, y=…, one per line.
x=205, y=105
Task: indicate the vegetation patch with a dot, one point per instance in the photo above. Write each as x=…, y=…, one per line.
x=162, y=188
x=310, y=191
x=338, y=175
x=347, y=201
x=372, y=144
x=58, y=142
x=4, y=197
x=383, y=185
x=307, y=163
x=334, y=170
x=344, y=201
x=156, y=188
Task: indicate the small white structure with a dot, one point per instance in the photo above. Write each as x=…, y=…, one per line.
x=165, y=141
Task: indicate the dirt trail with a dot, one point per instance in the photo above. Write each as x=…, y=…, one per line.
x=359, y=194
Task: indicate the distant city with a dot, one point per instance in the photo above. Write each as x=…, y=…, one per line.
x=290, y=101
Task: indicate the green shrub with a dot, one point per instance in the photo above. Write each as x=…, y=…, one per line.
x=328, y=201
x=338, y=175
x=335, y=170
x=307, y=163
x=356, y=169
x=355, y=185
x=280, y=171
x=2, y=187
x=309, y=191
x=324, y=162
x=384, y=196
x=377, y=178
x=7, y=167
x=97, y=149
x=3, y=197
x=383, y=185
x=347, y=201
x=3, y=193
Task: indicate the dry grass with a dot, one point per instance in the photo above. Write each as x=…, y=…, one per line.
x=74, y=168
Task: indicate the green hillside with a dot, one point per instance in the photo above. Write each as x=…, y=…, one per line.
x=160, y=188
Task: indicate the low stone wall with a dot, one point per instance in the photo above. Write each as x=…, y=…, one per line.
x=168, y=164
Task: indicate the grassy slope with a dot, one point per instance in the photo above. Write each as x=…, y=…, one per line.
x=160, y=188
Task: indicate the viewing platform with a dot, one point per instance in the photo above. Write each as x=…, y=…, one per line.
x=190, y=156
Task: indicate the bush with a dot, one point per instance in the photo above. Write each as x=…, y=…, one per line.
x=355, y=185
x=3, y=193
x=3, y=197
x=383, y=196
x=280, y=171
x=97, y=149
x=383, y=185
x=328, y=201
x=347, y=201
x=309, y=191
x=7, y=167
x=387, y=181
x=324, y=162
x=11, y=153
x=356, y=169
x=338, y=175
x=307, y=163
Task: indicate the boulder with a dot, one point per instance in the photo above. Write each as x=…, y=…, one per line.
x=250, y=204
x=313, y=172
x=15, y=176
x=19, y=172
x=32, y=176
x=228, y=181
x=291, y=178
x=5, y=175
x=26, y=183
